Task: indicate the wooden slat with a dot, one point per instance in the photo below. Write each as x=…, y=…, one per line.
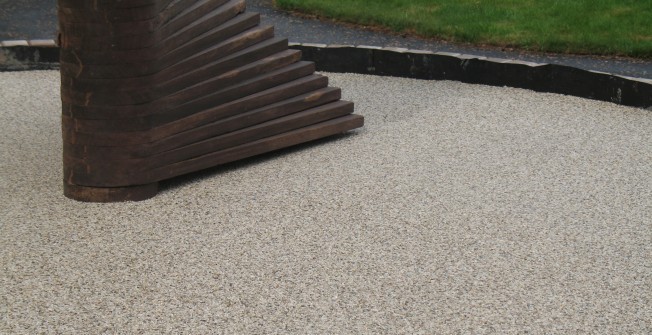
x=183, y=104
x=166, y=84
x=303, y=135
x=167, y=23
x=104, y=28
x=136, y=166
x=126, y=176
x=87, y=4
x=247, y=71
x=110, y=194
x=198, y=128
x=213, y=27
x=94, y=11
x=153, y=89
x=173, y=65
x=134, y=97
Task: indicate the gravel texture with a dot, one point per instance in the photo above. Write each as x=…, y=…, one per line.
x=458, y=209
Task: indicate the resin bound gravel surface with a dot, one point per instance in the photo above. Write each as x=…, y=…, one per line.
x=457, y=209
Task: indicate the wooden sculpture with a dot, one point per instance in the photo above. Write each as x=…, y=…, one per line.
x=153, y=89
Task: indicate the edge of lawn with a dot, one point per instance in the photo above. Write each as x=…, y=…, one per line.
x=404, y=29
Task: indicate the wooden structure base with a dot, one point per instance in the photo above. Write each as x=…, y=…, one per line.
x=110, y=194
x=153, y=89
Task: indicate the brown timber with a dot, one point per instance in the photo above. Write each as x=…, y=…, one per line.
x=154, y=89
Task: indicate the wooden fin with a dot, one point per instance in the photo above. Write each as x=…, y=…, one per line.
x=153, y=89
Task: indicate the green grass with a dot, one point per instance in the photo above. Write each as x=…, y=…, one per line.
x=600, y=27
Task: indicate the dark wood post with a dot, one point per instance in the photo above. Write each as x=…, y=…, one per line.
x=153, y=89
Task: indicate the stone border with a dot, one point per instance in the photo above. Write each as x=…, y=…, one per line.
x=28, y=55
x=418, y=64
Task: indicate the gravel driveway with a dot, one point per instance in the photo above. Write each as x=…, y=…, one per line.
x=458, y=209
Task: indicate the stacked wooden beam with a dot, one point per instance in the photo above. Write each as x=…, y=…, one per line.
x=153, y=89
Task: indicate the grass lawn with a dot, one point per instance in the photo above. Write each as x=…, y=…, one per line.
x=609, y=27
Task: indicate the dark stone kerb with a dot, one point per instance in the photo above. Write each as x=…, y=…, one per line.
x=28, y=55
x=418, y=64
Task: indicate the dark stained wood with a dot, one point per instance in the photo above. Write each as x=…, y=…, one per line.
x=135, y=168
x=176, y=65
x=90, y=4
x=303, y=135
x=225, y=116
x=178, y=106
x=284, y=140
x=94, y=11
x=152, y=89
x=221, y=23
x=165, y=23
x=131, y=97
x=169, y=83
x=110, y=194
x=167, y=126
x=196, y=129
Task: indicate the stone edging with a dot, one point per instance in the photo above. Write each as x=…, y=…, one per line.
x=28, y=55
x=418, y=64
